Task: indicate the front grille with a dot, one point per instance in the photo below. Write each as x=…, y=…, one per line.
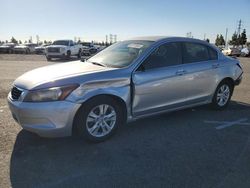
x=15, y=93
x=57, y=50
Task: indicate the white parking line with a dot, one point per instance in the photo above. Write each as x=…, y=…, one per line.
x=225, y=124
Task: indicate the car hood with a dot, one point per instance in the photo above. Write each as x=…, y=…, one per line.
x=51, y=73
x=4, y=46
x=40, y=47
x=56, y=46
x=20, y=46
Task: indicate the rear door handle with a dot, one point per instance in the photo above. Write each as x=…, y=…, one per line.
x=216, y=65
x=180, y=72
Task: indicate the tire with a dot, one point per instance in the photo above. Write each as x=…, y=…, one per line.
x=222, y=95
x=48, y=58
x=27, y=51
x=79, y=55
x=68, y=55
x=89, y=120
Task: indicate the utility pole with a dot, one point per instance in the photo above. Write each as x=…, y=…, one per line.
x=204, y=36
x=111, y=38
x=30, y=40
x=226, y=38
x=115, y=38
x=239, y=27
x=189, y=35
x=37, y=39
x=106, y=39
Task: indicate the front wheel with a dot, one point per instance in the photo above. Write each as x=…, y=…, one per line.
x=98, y=119
x=222, y=95
x=68, y=54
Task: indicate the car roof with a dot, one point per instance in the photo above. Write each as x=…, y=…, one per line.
x=149, y=38
x=160, y=38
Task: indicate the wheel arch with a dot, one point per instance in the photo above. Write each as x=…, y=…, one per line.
x=227, y=79
x=118, y=99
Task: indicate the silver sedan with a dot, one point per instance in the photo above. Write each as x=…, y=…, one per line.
x=126, y=81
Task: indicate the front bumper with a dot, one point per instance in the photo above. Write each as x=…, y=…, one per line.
x=47, y=119
x=20, y=49
x=55, y=55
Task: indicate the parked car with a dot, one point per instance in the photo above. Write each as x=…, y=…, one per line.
x=26, y=48
x=124, y=82
x=7, y=48
x=41, y=49
x=245, y=52
x=63, y=49
x=231, y=52
x=88, y=48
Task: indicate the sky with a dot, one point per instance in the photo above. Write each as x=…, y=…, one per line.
x=94, y=19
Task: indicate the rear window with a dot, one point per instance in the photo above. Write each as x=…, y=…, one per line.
x=194, y=52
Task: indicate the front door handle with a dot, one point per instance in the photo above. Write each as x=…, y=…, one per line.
x=180, y=72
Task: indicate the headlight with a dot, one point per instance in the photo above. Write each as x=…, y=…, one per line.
x=50, y=94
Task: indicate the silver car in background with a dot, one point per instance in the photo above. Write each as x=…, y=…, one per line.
x=126, y=81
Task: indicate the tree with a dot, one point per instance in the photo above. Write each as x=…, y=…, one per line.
x=13, y=40
x=222, y=40
x=235, y=40
x=20, y=42
x=243, y=38
x=219, y=41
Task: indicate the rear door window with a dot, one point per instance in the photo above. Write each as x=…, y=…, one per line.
x=194, y=52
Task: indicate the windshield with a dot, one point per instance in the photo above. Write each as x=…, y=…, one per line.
x=120, y=54
x=61, y=42
x=88, y=44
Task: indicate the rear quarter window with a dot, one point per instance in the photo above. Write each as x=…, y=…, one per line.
x=213, y=55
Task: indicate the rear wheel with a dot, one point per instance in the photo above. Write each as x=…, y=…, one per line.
x=222, y=95
x=98, y=119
